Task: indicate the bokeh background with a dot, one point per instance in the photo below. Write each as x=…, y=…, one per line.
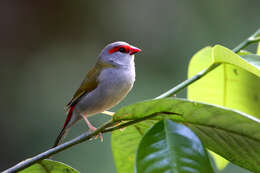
x=47, y=46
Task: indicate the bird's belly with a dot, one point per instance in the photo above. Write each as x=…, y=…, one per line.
x=107, y=95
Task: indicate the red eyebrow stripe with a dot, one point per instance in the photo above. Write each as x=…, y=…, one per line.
x=115, y=49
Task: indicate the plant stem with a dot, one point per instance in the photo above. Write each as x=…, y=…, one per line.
x=109, y=126
x=128, y=123
x=187, y=82
x=184, y=84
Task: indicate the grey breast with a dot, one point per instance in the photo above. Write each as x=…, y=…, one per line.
x=114, y=85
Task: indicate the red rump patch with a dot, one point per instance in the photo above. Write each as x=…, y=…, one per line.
x=69, y=116
x=116, y=48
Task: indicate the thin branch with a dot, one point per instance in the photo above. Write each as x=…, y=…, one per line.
x=83, y=137
x=109, y=126
x=137, y=121
x=187, y=82
x=252, y=39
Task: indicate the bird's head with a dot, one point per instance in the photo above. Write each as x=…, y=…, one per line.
x=119, y=53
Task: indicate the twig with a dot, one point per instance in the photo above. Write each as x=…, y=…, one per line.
x=137, y=121
x=187, y=82
x=83, y=137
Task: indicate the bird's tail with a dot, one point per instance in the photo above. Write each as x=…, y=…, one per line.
x=65, y=127
x=61, y=136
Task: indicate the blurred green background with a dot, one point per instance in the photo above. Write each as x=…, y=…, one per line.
x=46, y=47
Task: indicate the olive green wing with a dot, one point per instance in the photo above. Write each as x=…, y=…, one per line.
x=88, y=84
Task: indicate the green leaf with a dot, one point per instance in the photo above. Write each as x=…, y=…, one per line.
x=173, y=148
x=124, y=145
x=220, y=162
x=221, y=54
x=49, y=166
x=234, y=84
x=232, y=134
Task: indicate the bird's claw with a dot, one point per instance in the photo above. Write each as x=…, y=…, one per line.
x=92, y=129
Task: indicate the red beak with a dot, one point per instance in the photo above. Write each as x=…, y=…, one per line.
x=134, y=50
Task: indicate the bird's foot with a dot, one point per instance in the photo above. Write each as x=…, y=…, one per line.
x=92, y=128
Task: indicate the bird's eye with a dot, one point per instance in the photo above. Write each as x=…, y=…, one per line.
x=121, y=49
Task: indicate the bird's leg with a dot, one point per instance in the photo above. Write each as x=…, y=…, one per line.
x=91, y=127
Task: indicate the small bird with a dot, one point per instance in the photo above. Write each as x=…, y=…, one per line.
x=104, y=86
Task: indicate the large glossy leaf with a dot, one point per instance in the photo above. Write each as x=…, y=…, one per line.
x=49, y=166
x=172, y=148
x=124, y=145
x=234, y=135
x=234, y=84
